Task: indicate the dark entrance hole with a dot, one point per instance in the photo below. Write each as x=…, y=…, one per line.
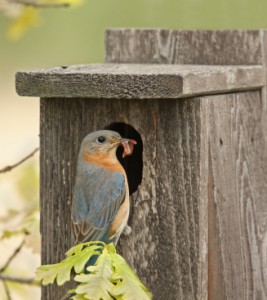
x=132, y=164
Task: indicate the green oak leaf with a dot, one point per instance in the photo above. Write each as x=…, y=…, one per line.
x=79, y=297
x=97, y=285
x=128, y=285
x=76, y=258
x=109, y=278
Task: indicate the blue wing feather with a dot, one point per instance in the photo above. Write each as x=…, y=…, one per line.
x=98, y=194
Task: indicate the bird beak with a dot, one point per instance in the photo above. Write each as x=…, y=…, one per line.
x=128, y=146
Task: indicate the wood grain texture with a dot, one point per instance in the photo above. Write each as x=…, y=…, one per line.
x=237, y=189
x=57, y=170
x=201, y=47
x=164, y=247
x=264, y=89
x=199, y=152
x=243, y=248
x=199, y=224
x=131, y=81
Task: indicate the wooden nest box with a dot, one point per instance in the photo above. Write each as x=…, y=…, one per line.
x=196, y=103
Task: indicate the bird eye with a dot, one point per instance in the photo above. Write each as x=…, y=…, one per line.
x=101, y=139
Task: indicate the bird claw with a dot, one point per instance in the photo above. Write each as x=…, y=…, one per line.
x=127, y=230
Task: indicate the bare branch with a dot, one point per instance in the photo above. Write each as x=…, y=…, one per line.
x=40, y=4
x=5, y=278
x=30, y=281
x=15, y=253
x=8, y=296
x=9, y=168
x=67, y=297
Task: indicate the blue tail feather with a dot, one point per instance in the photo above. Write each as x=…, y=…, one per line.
x=92, y=260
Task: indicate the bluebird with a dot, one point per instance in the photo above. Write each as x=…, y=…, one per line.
x=101, y=204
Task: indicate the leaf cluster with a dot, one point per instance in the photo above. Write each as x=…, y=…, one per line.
x=19, y=232
x=23, y=221
x=109, y=278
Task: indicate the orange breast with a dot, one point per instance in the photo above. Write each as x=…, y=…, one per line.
x=104, y=161
x=122, y=215
x=120, y=219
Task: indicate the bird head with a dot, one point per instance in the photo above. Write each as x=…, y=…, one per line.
x=105, y=143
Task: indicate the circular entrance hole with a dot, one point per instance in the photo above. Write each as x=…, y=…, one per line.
x=132, y=164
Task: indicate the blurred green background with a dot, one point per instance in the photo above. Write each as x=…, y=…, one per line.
x=76, y=36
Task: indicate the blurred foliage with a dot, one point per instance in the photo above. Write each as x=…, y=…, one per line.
x=110, y=277
x=24, y=14
x=19, y=233
x=95, y=16
x=25, y=220
x=27, y=185
x=20, y=219
x=28, y=17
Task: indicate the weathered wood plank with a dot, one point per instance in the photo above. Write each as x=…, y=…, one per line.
x=198, y=193
x=57, y=172
x=200, y=47
x=165, y=247
x=130, y=81
x=215, y=139
x=230, y=47
x=264, y=90
x=237, y=189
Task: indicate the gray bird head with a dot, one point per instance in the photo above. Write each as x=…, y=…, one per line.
x=105, y=143
x=101, y=142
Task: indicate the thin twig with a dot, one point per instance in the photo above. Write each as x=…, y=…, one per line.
x=66, y=297
x=8, y=296
x=4, y=277
x=9, y=168
x=40, y=4
x=15, y=253
x=30, y=281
